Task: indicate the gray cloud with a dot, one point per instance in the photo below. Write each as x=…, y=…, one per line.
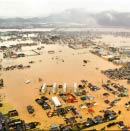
x=32, y=8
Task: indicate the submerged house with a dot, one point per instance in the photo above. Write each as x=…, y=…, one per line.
x=125, y=50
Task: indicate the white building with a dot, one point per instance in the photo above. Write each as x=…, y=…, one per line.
x=54, y=88
x=56, y=101
x=64, y=87
x=43, y=88
x=75, y=87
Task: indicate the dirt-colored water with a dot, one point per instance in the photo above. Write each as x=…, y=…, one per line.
x=52, y=69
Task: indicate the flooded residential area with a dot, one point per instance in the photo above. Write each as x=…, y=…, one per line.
x=37, y=66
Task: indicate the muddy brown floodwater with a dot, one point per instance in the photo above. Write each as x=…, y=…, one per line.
x=52, y=69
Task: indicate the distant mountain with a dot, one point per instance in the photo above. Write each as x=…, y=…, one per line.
x=113, y=18
x=73, y=16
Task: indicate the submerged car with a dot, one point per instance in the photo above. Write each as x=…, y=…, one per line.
x=120, y=124
x=39, y=101
x=89, y=122
x=111, y=124
x=31, y=125
x=123, y=95
x=44, y=98
x=13, y=113
x=46, y=106
x=30, y=109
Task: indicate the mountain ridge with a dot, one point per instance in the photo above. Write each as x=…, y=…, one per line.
x=105, y=18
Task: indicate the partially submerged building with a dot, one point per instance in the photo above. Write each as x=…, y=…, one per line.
x=56, y=101
x=64, y=87
x=54, y=88
x=43, y=88
x=75, y=87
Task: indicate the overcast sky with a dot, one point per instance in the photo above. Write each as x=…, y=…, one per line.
x=32, y=8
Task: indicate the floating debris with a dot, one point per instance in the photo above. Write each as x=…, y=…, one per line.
x=27, y=81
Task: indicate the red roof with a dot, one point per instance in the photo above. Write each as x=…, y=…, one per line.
x=90, y=110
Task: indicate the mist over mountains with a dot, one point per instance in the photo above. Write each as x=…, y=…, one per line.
x=71, y=17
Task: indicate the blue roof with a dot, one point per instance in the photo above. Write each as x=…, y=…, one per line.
x=53, y=125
